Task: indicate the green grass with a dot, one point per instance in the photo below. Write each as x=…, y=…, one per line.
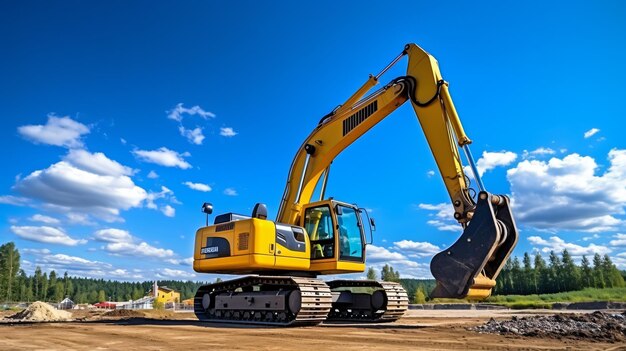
x=546, y=300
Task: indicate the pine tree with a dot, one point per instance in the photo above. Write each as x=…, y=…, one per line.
x=22, y=281
x=43, y=289
x=371, y=273
x=516, y=276
x=570, y=273
x=52, y=285
x=37, y=283
x=612, y=276
x=586, y=273
x=554, y=269
x=65, y=281
x=505, y=279
x=529, y=275
x=541, y=274
x=598, y=272
x=101, y=296
x=389, y=275
x=9, y=267
x=419, y=297
x=58, y=292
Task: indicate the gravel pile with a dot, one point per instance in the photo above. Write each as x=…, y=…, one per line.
x=594, y=326
x=41, y=312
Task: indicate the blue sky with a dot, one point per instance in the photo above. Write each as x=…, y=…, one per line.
x=121, y=118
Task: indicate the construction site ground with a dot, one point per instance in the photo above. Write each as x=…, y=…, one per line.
x=159, y=330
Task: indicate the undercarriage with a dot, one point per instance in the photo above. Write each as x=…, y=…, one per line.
x=297, y=301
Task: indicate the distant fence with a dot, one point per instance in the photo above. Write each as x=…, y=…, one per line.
x=178, y=306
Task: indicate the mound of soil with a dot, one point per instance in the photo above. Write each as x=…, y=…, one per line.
x=590, y=326
x=124, y=313
x=41, y=312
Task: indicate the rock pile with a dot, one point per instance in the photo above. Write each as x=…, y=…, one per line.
x=41, y=312
x=595, y=326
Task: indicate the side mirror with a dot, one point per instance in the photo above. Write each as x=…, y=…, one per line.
x=373, y=224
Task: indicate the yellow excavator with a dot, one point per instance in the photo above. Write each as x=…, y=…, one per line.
x=314, y=237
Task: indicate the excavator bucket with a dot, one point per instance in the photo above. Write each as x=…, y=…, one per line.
x=468, y=269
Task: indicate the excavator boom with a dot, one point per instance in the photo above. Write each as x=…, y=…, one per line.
x=469, y=267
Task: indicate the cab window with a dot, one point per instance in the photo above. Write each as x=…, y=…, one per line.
x=318, y=223
x=350, y=234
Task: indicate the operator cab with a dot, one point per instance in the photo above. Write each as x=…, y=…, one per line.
x=335, y=231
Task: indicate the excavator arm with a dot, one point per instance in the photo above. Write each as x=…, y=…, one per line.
x=469, y=267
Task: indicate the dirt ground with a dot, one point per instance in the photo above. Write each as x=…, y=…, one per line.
x=418, y=330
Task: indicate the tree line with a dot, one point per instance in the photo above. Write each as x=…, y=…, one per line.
x=533, y=275
x=17, y=286
x=536, y=276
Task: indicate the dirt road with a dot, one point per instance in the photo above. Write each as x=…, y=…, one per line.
x=420, y=330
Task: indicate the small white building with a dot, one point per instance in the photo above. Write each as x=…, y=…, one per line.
x=66, y=304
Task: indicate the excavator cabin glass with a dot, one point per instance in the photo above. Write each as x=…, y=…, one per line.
x=320, y=223
x=350, y=234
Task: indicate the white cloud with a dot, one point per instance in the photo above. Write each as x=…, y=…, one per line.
x=141, y=249
x=378, y=256
x=430, y=173
x=79, y=218
x=123, y=141
x=179, y=111
x=620, y=240
x=113, y=235
x=153, y=175
x=78, y=266
x=594, y=236
x=97, y=163
x=567, y=194
x=168, y=210
x=164, y=157
x=442, y=218
x=198, y=186
x=86, y=183
x=121, y=242
x=194, y=136
x=491, y=160
x=416, y=248
x=14, y=200
x=59, y=131
x=230, y=192
x=181, y=261
x=44, y=219
x=591, y=132
x=542, y=151
x=175, y=274
x=46, y=234
x=227, y=132
x=381, y=254
x=152, y=197
x=36, y=251
x=557, y=244
x=67, y=262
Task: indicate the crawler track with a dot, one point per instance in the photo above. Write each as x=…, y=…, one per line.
x=309, y=306
x=385, y=301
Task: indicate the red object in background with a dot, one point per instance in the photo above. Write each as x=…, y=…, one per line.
x=105, y=305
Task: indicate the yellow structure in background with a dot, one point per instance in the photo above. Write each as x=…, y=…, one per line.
x=165, y=295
